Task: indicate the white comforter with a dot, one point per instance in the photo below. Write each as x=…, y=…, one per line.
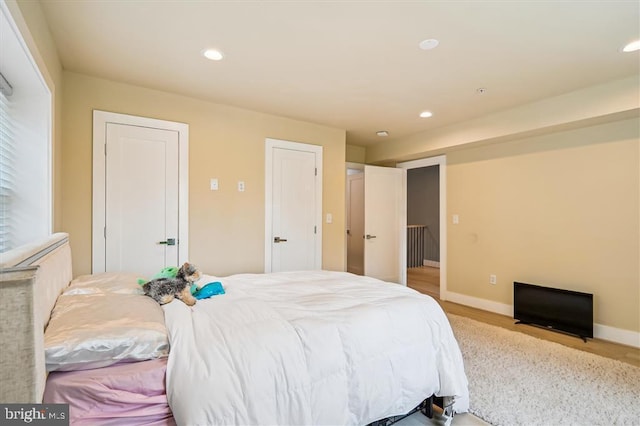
x=303, y=348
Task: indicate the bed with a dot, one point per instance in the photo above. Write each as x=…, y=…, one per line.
x=315, y=347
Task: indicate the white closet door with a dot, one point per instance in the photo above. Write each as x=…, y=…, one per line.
x=141, y=198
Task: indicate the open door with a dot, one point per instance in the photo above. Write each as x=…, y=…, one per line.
x=385, y=220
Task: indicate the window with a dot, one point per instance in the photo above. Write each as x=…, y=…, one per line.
x=25, y=141
x=7, y=159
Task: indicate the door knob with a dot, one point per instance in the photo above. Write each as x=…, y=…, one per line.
x=368, y=237
x=169, y=242
x=279, y=240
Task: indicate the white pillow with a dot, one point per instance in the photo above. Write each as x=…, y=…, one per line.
x=100, y=329
x=106, y=282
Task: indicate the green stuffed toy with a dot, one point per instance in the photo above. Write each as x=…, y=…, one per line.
x=168, y=272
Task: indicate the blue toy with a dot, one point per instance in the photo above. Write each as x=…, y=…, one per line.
x=209, y=290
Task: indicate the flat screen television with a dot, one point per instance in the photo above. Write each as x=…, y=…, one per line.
x=556, y=309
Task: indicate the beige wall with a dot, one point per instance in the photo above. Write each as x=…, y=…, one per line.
x=226, y=233
x=547, y=193
x=558, y=210
x=355, y=154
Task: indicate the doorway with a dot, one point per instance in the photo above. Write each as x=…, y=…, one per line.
x=376, y=221
x=426, y=225
x=355, y=220
x=293, y=206
x=140, y=193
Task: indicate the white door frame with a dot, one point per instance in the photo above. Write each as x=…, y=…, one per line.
x=100, y=120
x=270, y=145
x=441, y=161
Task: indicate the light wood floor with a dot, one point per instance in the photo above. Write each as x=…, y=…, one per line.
x=427, y=280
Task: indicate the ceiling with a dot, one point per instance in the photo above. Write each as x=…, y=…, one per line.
x=353, y=65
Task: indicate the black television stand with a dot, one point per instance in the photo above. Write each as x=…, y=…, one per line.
x=552, y=329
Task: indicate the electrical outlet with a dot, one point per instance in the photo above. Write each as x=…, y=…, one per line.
x=492, y=279
x=240, y=186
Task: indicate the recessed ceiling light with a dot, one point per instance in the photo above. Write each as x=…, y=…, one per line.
x=429, y=44
x=632, y=47
x=382, y=133
x=213, y=54
x=426, y=114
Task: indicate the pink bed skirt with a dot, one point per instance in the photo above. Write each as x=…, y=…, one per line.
x=123, y=394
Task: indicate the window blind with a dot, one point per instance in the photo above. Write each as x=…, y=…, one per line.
x=7, y=170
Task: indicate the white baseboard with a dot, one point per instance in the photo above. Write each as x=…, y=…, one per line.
x=432, y=263
x=475, y=302
x=604, y=332
x=618, y=335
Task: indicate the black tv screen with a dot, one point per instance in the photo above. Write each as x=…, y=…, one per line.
x=553, y=308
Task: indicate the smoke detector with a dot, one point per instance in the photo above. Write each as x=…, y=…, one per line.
x=429, y=44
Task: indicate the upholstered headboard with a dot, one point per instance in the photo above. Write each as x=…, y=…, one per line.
x=31, y=278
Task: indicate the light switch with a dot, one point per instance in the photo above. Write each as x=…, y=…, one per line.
x=213, y=184
x=456, y=219
x=329, y=218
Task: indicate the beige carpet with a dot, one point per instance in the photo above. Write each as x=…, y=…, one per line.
x=516, y=379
